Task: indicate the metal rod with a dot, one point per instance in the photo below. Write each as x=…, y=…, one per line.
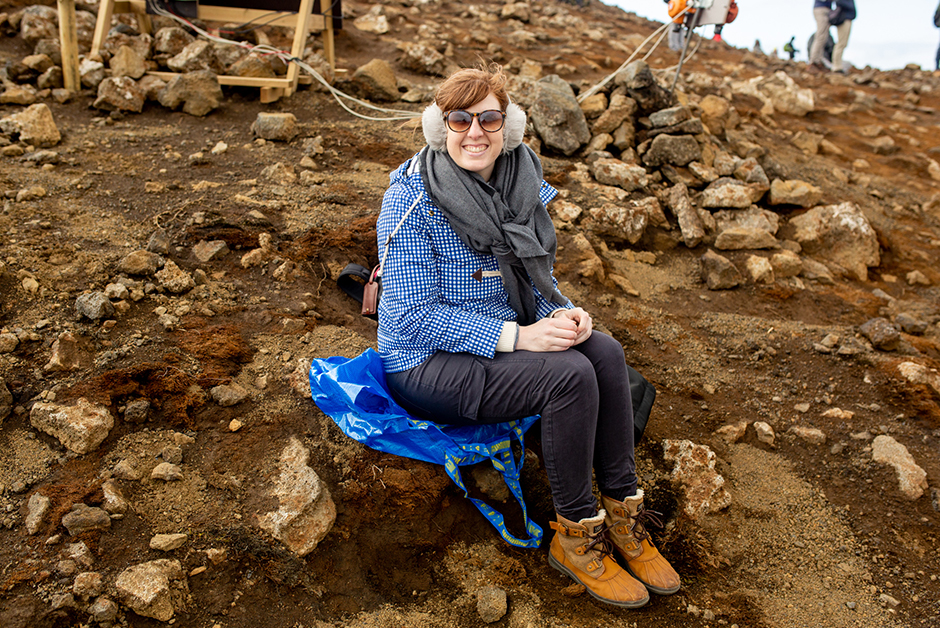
x=685, y=48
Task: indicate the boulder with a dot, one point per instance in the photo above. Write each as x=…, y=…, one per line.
x=171, y=40
x=376, y=81
x=128, y=62
x=425, y=60
x=80, y=428
x=729, y=192
x=621, y=109
x=306, y=511
x=739, y=238
x=615, y=172
x=197, y=92
x=794, y=192
x=252, y=66
x=146, y=588
x=690, y=223
x=623, y=222
x=642, y=87
x=280, y=127
x=33, y=126
x=718, y=272
x=557, y=116
x=701, y=487
x=839, y=233
x=676, y=150
x=912, y=479
x=120, y=94
x=759, y=269
x=881, y=333
x=84, y=518
x=196, y=56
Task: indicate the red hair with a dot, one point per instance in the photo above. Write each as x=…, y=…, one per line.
x=466, y=87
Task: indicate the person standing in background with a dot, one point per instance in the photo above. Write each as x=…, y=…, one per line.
x=841, y=17
x=821, y=10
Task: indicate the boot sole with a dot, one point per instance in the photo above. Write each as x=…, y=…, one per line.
x=557, y=565
x=649, y=587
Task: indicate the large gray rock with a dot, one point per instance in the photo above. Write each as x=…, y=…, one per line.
x=615, y=172
x=425, y=60
x=171, y=40
x=306, y=511
x=94, y=306
x=557, y=116
x=128, y=62
x=80, y=428
x=146, y=588
x=718, y=272
x=140, y=262
x=676, y=150
x=120, y=94
x=729, y=192
x=690, y=223
x=280, y=127
x=33, y=125
x=376, y=81
x=39, y=22
x=881, y=333
x=643, y=88
x=626, y=222
x=199, y=55
x=140, y=43
x=839, y=233
x=197, y=92
x=739, y=238
x=621, y=109
x=84, y=518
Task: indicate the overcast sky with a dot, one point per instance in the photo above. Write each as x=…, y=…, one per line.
x=885, y=35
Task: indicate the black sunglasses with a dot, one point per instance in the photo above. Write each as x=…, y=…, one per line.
x=460, y=121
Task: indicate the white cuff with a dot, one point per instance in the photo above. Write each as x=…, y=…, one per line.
x=508, y=337
x=553, y=312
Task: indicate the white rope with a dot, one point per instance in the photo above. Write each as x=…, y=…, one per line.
x=338, y=95
x=661, y=31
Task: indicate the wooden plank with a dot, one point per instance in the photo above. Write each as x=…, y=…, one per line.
x=105, y=10
x=238, y=81
x=68, y=42
x=300, y=39
x=267, y=18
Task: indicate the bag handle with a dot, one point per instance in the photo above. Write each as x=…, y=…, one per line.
x=500, y=455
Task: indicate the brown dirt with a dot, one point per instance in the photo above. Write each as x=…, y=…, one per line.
x=814, y=537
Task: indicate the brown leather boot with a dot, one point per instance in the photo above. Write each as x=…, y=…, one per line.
x=627, y=521
x=583, y=551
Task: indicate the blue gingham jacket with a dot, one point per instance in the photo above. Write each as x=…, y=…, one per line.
x=430, y=299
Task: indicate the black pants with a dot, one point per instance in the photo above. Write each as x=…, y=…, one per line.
x=582, y=395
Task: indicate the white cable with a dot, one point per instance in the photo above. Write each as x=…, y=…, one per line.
x=398, y=114
x=606, y=79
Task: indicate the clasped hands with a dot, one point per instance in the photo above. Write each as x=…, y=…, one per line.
x=564, y=330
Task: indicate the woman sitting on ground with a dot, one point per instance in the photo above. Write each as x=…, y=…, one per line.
x=473, y=329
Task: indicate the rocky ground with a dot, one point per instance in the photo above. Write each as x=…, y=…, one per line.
x=764, y=244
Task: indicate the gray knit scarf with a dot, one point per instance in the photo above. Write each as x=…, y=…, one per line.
x=503, y=217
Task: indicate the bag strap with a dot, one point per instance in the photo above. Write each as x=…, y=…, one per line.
x=500, y=455
x=348, y=284
x=388, y=240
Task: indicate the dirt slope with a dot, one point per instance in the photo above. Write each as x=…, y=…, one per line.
x=815, y=534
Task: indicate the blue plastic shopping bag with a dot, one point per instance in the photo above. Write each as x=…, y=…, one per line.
x=354, y=394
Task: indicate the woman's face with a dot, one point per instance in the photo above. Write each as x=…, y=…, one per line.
x=475, y=149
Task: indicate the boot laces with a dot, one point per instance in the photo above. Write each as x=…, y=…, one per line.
x=643, y=519
x=603, y=540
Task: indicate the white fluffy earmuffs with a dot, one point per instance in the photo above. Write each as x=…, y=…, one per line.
x=435, y=131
